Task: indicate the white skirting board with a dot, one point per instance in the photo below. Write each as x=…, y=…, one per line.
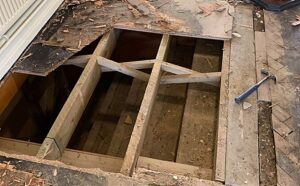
x=18, y=42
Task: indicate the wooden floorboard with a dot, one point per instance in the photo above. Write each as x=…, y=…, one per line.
x=283, y=52
x=242, y=166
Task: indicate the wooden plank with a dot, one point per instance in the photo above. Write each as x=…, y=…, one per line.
x=67, y=120
x=263, y=92
x=284, y=179
x=91, y=160
x=212, y=78
x=12, y=146
x=120, y=67
x=9, y=88
x=221, y=143
x=199, y=121
x=173, y=168
x=242, y=167
x=138, y=134
x=71, y=157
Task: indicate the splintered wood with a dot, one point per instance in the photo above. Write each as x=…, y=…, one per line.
x=77, y=25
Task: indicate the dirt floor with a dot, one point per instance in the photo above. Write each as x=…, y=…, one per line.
x=268, y=174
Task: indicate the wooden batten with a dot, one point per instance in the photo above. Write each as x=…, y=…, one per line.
x=221, y=142
x=70, y=157
x=139, y=130
x=174, y=168
x=68, y=118
x=212, y=78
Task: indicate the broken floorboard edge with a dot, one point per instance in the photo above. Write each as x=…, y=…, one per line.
x=221, y=142
x=174, y=168
x=139, y=130
x=69, y=116
x=70, y=157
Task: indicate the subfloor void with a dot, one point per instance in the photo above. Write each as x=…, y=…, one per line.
x=33, y=109
x=183, y=123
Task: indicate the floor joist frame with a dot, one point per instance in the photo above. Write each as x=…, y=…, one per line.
x=54, y=145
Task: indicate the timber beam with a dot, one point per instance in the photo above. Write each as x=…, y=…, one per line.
x=140, y=127
x=68, y=118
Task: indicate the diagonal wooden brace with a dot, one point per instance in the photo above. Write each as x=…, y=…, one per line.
x=123, y=68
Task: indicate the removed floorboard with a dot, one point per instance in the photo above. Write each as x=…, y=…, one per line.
x=200, y=114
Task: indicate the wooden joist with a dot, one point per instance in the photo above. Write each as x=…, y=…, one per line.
x=221, y=142
x=67, y=120
x=70, y=157
x=242, y=166
x=139, y=130
x=173, y=168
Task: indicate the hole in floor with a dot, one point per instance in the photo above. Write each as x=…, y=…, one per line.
x=182, y=126
x=33, y=109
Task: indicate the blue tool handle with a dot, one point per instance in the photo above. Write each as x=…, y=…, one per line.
x=247, y=93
